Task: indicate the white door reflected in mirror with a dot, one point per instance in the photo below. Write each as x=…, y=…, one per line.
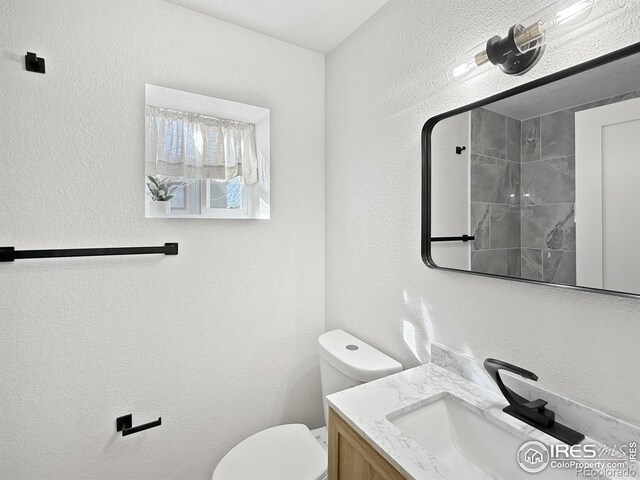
x=607, y=179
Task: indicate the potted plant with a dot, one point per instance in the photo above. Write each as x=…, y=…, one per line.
x=161, y=191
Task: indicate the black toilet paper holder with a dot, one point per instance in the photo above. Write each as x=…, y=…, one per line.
x=124, y=424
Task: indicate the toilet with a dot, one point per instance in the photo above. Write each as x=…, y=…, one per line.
x=292, y=451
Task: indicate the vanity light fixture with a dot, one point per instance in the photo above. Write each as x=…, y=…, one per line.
x=523, y=46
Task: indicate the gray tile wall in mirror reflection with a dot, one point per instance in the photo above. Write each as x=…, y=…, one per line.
x=523, y=193
x=495, y=193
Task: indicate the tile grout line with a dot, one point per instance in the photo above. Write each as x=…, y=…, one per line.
x=494, y=158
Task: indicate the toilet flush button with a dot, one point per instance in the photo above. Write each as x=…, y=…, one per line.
x=352, y=347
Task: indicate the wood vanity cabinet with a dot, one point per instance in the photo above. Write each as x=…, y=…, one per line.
x=351, y=457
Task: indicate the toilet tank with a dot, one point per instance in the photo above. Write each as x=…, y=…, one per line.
x=346, y=361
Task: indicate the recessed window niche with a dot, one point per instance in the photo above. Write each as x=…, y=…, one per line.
x=205, y=157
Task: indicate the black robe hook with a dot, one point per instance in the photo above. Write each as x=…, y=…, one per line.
x=33, y=63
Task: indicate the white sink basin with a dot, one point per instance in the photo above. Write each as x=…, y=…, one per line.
x=467, y=444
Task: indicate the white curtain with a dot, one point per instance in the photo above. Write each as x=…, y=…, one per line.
x=181, y=144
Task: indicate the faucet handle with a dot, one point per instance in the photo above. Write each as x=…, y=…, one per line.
x=492, y=366
x=538, y=404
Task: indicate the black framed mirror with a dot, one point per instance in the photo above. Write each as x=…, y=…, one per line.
x=540, y=183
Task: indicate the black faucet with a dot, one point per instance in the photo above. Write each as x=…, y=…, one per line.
x=533, y=412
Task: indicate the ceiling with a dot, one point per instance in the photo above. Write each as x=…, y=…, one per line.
x=318, y=25
x=615, y=78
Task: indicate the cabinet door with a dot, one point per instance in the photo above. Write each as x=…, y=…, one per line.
x=352, y=458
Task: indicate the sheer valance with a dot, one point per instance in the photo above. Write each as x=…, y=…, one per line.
x=182, y=144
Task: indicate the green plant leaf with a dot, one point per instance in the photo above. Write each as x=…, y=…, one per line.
x=153, y=179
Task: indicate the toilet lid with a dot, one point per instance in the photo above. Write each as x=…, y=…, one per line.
x=285, y=452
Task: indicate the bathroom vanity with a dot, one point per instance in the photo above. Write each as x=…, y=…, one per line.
x=352, y=457
x=429, y=422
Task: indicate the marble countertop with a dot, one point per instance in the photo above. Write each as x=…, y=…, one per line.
x=367, y=407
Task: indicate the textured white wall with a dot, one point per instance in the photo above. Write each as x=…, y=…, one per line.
x=221, y=340
x=377, y=99
x=454, y=196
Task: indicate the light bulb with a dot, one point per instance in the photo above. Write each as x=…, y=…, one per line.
x=573, y=11
x=461, y=70
x=560, y=18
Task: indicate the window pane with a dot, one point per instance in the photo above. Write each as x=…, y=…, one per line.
x=179, y=201
x=186, y=198
x=226, y=194
x=234, y=193
x=218, y=195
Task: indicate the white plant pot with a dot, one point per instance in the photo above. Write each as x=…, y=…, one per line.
x=160, y=209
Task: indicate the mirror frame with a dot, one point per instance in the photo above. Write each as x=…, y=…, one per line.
x=427, y=130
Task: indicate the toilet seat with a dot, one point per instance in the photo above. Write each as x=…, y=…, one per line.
x=284, y=452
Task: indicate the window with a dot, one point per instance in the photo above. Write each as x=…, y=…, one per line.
x=205, y=157
x=210, y=198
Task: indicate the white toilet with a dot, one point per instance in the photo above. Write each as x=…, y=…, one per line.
x=293, y=452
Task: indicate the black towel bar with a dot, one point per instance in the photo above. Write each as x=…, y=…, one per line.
x=463, y=238
x=9, y=254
